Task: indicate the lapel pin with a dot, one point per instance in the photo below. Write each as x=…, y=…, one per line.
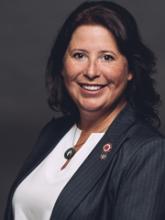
x=105, y=150
x=103, y=156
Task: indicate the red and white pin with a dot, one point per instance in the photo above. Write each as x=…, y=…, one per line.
x=106, y=149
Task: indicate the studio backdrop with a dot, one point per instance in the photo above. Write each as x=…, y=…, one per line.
x=27, y=32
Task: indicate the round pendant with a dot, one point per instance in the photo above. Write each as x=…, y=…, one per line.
x=69, y=153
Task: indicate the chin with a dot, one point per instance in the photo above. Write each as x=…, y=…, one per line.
x=92, y=108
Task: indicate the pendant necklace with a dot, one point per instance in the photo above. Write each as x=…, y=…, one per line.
x=69, y=153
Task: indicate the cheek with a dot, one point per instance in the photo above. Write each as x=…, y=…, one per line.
x=119, y=75
x=67, y=70
x=67, y=76
x=73, y=68
x=70, y=71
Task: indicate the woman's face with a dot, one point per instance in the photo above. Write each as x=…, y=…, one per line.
x=95, y=72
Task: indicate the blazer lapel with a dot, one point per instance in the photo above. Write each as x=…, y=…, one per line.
x=94, y=167
x=46, y=142
x=49, y=137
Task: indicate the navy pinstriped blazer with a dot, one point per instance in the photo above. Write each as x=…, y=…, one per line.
x=129, y=184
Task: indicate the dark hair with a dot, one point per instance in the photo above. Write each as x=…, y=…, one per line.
x=140, y=92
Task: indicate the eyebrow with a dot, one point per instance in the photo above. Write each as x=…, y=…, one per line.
x=108, y=51
x=75, y=49
x=85, y=51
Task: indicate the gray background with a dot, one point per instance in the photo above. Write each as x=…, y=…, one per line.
x=27, y=30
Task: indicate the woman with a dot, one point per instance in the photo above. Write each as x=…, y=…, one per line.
x=104, y=159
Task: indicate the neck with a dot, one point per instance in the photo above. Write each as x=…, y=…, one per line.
x=99, y=121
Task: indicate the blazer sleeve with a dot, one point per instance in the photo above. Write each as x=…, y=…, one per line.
x=141, y=194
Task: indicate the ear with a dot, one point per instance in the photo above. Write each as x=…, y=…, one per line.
x=130, y=76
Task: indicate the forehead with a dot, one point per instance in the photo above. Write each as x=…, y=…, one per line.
x=92, y=35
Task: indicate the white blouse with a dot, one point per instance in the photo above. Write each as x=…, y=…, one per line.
x=37, y=194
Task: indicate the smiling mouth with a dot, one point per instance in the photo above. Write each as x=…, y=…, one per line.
x=89, y=87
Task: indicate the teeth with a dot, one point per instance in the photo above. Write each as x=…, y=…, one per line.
x=91, y=88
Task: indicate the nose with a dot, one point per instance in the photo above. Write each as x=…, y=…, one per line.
x=92, y=70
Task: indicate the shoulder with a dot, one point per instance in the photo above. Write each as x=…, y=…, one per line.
x=54, y=122
x=138, y=174
x=143, y=149
x=54, y=129
x=142, y=134
x=57, y=124
x=142, y=141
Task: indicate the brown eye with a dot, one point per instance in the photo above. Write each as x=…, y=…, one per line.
x=107, y=57
x=78, y=56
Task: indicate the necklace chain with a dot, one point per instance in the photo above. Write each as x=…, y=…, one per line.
x=100, y=126
x=69, y=153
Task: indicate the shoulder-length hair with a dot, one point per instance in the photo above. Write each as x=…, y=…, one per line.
x=140, y=92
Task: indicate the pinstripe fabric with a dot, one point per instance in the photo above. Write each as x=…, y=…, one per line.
x=127, y=185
